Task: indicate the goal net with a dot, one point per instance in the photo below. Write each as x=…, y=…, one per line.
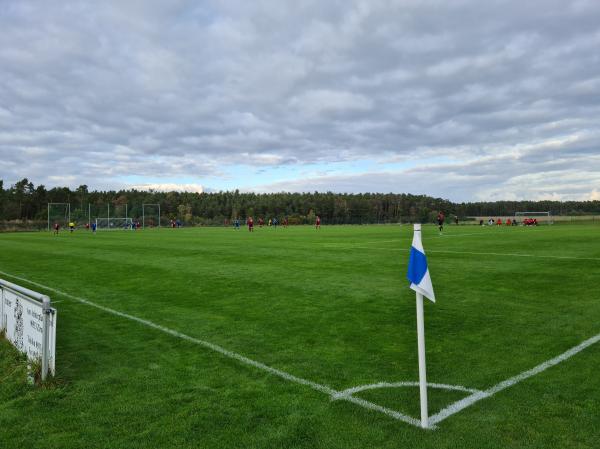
x=60, y=214
x=540, y=217
x=150, y=215
x=113, y=223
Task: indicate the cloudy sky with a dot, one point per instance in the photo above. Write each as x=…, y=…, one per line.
x=466, y=100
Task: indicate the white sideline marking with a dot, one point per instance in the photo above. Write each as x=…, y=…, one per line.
x=460, y=235
x=391, y=413
x=350, y=245
x=541, y=256
x=398, y=240
x=475, y=397
x=452, y=409
x=233, y=355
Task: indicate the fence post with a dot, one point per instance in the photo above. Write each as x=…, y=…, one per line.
x=45, y=336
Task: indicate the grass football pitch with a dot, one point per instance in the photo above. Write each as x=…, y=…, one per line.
x=215, y=338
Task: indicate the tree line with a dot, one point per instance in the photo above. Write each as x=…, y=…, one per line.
x=26, y=202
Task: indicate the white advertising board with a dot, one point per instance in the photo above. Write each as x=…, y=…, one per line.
x=22, y=320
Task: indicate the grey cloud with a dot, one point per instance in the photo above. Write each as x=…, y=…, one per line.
x=191, y=88
x=554, y=169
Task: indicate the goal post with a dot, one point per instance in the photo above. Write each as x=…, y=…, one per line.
x=150, y=215
x=59, y=213
x=541, y=217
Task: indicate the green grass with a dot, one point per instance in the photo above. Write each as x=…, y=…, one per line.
x=332, y=307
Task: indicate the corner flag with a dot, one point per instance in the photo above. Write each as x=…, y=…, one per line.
x=418, y=273
x=420, y=282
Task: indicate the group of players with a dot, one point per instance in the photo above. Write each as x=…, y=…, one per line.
x=509, y=222
x=133, y=225
x=273, y=222
x=56, y=228
x=491, y=222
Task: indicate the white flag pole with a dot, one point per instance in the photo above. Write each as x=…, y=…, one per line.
x=422, y=368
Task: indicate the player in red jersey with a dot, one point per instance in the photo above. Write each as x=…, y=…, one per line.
x=261, y=222
x=56, y=228
x=250, y=223
x=318, y=223
x=440, y=219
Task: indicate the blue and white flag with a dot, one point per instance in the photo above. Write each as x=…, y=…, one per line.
x=418, y=273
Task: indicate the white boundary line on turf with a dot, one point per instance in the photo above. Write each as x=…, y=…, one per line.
x=345, y=395
x=475, y=397
x=443, y=235
x=541, y=256
x=358, y=389
x=442, y=251
x=398, y=240
x=233, y=355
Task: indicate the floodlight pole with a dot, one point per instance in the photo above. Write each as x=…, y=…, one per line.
x=89, y=214
x=422, y=366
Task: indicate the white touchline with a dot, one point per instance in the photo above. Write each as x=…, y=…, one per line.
x=233, y=355
x=446, y=235
x=442, y=251
x=475, y=397
x=541, y=256
x=345, y=395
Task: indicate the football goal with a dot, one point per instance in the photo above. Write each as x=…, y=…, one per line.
x=150, y=215
x=60, y=214
x=541, y=217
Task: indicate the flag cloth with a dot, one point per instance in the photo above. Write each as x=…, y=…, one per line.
x=418, y=273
